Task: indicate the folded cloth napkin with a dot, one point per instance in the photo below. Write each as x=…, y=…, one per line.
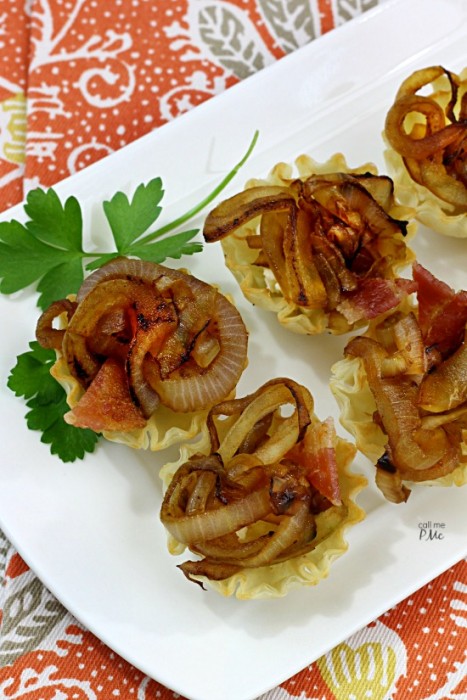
x=78, y=80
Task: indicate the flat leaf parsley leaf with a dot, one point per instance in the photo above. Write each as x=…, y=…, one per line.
x=24, y=259
x=129, y=220
x=46, y=400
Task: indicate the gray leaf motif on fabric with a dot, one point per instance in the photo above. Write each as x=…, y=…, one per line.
x=291, y=22
x=29, y=615
x=349, y=9
x=231, y=39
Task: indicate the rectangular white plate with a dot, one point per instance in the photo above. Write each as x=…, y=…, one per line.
x=90, y=530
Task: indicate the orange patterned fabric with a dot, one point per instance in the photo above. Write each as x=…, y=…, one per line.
x=416, y=650
x=78, y=80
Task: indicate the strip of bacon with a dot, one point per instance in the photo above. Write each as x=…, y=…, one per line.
x=316, y=454
x=374, y=297
x=442, y=313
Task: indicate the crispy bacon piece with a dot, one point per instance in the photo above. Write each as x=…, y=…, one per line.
x=316, y=454
x=442, y=313
x=446, y=387
x=374, y=297
x=107, y=404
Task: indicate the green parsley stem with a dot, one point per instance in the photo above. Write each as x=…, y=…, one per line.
x=204, y=202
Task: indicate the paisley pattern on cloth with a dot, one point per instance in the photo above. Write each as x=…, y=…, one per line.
x=78, y=80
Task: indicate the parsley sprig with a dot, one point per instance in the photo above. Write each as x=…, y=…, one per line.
x=48, y=250
x=46, y=401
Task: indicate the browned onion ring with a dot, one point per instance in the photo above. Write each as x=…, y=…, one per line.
x=434, y=151
x=46, y=335
x=439, y=136
x=129, y=269
x=186, y=391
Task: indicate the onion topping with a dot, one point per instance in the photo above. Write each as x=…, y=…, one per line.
x=420, y=394
x=48, y=336
x=253, y=499
x=429, y=132
x=325, y=238
x=178, y=341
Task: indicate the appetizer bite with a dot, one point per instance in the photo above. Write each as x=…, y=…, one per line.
x=402, y=390
x=321, y=250
x=266, y=501
x=144, y=352
x=427, y=155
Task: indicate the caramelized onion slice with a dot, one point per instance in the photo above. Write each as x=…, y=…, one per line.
x=429, y=132
x=438, y=135
x=108, y=296
x=302, y=284
x=147, y=340
x=185, y=390
x=400, y=334
x=412, y=448
x=389, y=481
x=193, y=304
x=252, y=409
x=419, y=78
x=262, y=405
x=435, y=176
x=48, y=336
x=353, y=204
x=242, y=207
x=288, y=533
x=213, y=523
x=446, y=387
x=380, y=187
x=141, y=271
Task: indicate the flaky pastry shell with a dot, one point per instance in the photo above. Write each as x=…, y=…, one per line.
x=277, y=580
x=431, y=211
x=163, y=429
x=357, y=406
x=259, y=285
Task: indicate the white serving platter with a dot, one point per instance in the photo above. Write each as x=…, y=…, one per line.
x=90, y=530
